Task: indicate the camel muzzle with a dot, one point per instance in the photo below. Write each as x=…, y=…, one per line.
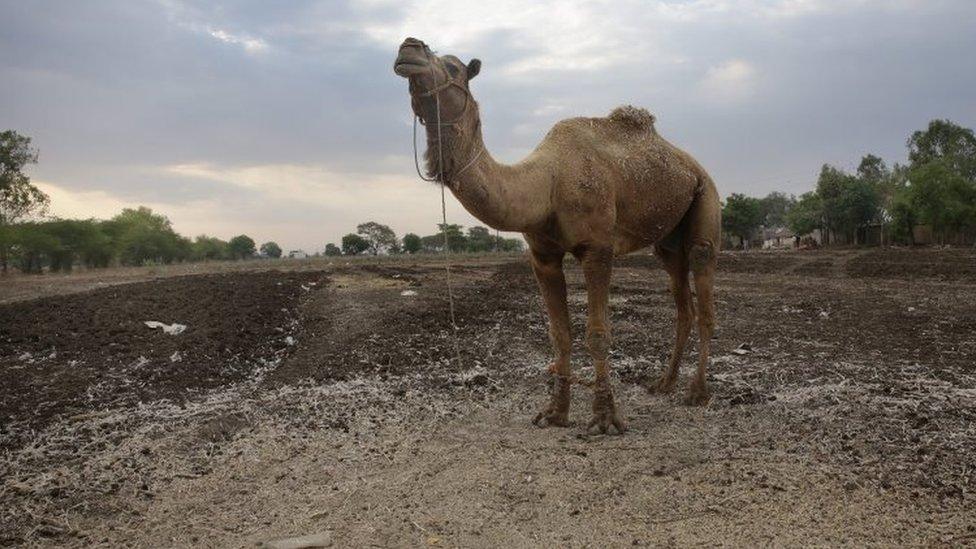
x=412, y=59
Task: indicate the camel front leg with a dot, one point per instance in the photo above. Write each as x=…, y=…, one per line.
x=597, y=269
x=548, y=270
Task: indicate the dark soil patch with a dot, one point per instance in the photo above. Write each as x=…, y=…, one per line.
x=950, y=264
x=77, y=353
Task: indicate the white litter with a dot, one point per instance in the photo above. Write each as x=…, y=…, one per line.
x=290, y=340
x=176, y=357
x=171, y=329
x=408, y=293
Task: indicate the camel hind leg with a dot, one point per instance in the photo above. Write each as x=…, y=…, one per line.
x=703, y=234
x=676, y=264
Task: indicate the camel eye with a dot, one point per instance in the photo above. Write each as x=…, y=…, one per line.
x=452, y=69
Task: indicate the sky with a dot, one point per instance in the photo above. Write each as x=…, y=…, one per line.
x=284, y=120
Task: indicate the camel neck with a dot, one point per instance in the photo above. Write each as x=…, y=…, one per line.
x=504, y=197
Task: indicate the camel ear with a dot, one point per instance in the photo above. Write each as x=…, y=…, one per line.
x=474, y=67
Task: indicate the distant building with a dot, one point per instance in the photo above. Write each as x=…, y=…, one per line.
x=778, y=237
x=297, y=254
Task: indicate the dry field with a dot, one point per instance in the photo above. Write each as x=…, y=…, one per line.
x=335, y=400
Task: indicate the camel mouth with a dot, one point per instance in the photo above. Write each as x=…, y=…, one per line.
x=408, y=68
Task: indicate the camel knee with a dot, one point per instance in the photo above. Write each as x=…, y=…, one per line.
x=701, y=255
x=598, y=343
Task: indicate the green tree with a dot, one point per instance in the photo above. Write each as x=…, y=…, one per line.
x=947, y=141
x=774, y=207
x=456, y=241
x=353, y=244
x=511, y=245
x=379, y=237
x=209, y=248
x=32, y=246
x=848, y=201
x=271, y=249
x=411, y=243
x=332, y=250
x=480, y=239
x=741, y=216
x=872, y=169
x=942, y=197
x=806, y=215
x=19, y=198
x=241, y=247
x=142, y=236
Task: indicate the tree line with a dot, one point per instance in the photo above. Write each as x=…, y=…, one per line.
x=140, y=236
x=136, y=236
x=375, y=238
x=936, y=188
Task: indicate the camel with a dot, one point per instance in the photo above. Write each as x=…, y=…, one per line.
x=596, y=188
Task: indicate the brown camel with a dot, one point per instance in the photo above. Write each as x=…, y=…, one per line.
x=596, y=188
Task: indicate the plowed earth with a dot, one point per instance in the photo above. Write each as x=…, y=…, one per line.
x=339, y=400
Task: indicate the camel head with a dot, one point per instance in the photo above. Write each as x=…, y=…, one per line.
x=434, y=78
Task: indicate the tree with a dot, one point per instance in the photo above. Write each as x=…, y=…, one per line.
x=806, y=215
x=353, y=244
x=947, y=141
x=849, y=202
x=19, y=198
x=141, y=236
x=741, y=216
x=872, y=169
x=456, y=241
x=332, y=250
x=774, y=207
x=241, y=247
x=480, y=239
x=942, y=197
x=411, y=243
x=209, y=248
x=271, y=249
x=379, y=237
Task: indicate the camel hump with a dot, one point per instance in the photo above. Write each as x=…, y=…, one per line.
x=634, y=117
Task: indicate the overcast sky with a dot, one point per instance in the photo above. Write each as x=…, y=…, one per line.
x=284, y=120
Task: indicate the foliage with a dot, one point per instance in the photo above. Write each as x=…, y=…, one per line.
x=209, y=248
x=456, y=241
x=942, y=197
x=143, y=237
x=774, y=208
x=946, y=141
x=379, y=237
x=806, y=215
x=353, y=244
x=19, y=198
x=241, y=247
x=872, y=169
x=271, y=249
x=332, y=250
x=849, y=201
x=480, y=239
x=741, y=215
x=411, y=243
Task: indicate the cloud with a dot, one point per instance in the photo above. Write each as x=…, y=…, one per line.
x=732, y=81
x=284, y=119
x=250, y=45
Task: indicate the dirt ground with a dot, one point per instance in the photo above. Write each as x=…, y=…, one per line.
x=337, y=400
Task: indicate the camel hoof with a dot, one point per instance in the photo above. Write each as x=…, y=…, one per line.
x=698, y=395
x=551, y=417
x=603, y=421
x=605, y=413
